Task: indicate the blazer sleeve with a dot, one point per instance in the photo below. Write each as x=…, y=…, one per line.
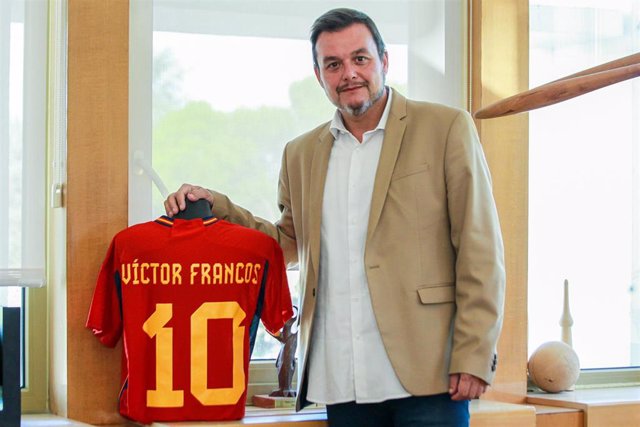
x=477, y=240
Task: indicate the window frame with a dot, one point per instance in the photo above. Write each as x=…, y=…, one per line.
x=609, y=376
x=34, y=394
x=498, y=68
x=34, y=313
x=262, y=375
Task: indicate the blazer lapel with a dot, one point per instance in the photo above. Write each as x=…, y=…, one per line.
x=393, y=134
x=319, y=166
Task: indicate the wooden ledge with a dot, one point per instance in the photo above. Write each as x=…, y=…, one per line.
x=553, y=410
x=484, y=413
x=489, y=413
x=606, y=407
x=581, y=399
x=553, y=416
x=310, y=417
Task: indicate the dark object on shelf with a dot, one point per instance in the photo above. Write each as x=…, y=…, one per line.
x=10, y=362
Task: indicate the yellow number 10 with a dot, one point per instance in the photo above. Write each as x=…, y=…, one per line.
x=164, y=396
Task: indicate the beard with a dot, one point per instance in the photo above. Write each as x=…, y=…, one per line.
x=361, y=108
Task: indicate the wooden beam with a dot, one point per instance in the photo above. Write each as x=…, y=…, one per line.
x=98, y=75
x=499, y=48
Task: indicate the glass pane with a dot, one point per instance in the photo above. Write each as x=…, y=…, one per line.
x=584, y=186
x=11, y=296
x=224, y=127
x=225, y=104
x=11, y=155
x=14, y=156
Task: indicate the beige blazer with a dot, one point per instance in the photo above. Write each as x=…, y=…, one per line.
x=434, y=253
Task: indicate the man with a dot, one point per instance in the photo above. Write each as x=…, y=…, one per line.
x=388, y=210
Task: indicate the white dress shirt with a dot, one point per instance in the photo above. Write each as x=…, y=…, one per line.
x=347, y=360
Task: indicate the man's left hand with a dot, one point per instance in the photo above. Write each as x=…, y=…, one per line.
x=466, y=386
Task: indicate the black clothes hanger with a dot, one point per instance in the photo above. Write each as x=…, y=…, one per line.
x=198, y=209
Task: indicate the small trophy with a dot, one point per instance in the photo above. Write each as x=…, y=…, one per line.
x=284, y=396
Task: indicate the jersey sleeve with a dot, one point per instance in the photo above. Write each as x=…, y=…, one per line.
x=277, y=301
x=105, y=317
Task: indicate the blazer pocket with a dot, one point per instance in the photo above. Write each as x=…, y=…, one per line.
x=409, y=171
x=437, y=294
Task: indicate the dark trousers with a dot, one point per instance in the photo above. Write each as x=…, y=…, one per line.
x=416, y=411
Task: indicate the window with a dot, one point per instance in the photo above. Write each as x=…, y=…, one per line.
x=223, y=98
x=23, y=47
x=584, y=204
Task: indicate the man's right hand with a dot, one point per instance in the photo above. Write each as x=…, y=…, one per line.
x=176, y=201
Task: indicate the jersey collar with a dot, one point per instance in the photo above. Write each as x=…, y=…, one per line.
x=170, y=222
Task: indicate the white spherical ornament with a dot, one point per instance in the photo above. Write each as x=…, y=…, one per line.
x=554, y=367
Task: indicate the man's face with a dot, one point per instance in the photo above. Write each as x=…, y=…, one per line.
x=349, y=68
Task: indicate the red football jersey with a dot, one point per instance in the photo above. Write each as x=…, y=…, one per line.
x=184, y=294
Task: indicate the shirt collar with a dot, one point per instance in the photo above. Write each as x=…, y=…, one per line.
x=337, y=125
